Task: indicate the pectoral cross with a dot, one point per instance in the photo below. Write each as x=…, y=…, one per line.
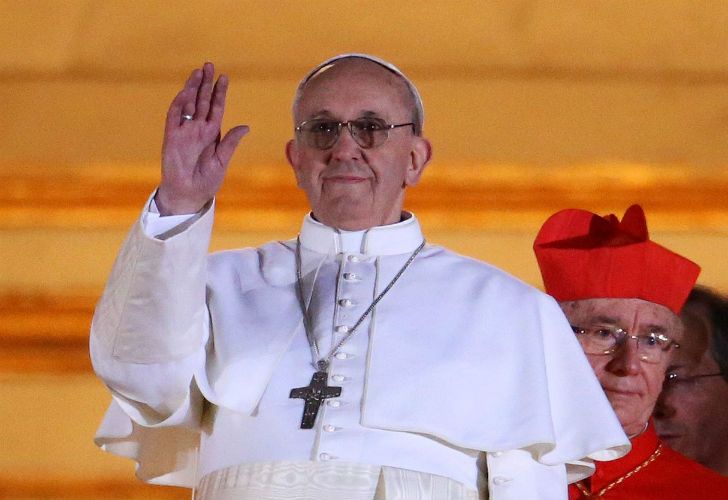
x=314, y=394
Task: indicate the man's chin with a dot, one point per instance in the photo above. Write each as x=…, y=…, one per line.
x=685, y=444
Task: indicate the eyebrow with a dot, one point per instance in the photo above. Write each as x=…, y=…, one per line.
x=610, y=320
x=605, y=319
x=325, y=113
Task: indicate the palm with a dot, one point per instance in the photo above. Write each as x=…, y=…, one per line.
x=194, y=157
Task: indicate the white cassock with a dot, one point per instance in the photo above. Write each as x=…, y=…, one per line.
x=460, y=367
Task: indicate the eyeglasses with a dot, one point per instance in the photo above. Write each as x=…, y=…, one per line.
x=367, y=132
x=674, y=380
x=607, y=340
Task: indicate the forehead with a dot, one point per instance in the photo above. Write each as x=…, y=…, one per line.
x=625, y=313
x=696, y=337
x=353, y=86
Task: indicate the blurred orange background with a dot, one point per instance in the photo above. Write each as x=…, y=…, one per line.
x=531, y=107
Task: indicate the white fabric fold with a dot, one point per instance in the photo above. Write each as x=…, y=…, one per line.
x=459, y=352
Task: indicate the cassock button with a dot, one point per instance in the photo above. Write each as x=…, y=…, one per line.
x=342, y=329
x=325, y=456
x=497, y=454
x=342, y=355
x=346, y=302
x=500, y=480
x=333, y=403
x=337, y=378
x=351, y=276
x=329, y=428
x=354, y=258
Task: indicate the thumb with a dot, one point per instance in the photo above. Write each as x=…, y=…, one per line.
x=230, y=142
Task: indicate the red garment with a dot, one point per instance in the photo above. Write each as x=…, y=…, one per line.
x=671, y=476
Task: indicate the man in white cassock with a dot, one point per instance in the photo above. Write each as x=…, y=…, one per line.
x=352, y=362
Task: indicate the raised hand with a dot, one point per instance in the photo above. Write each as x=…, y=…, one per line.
x=194, y=158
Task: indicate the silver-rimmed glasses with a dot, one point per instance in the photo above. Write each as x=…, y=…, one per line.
x=367, y=132
x=604, y=340
x=675, y=380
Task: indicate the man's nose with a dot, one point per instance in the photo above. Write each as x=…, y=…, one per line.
x=626, y=359
x=345, y=147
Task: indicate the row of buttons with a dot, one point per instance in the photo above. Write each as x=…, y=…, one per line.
x=341, y=329
x=347, y=303
x=334, y=403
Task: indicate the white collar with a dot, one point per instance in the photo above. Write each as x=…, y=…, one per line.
x=392, y=239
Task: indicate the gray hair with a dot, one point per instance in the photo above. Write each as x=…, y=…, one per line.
x=418, y=115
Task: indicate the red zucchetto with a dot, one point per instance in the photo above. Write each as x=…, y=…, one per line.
x=584, y=256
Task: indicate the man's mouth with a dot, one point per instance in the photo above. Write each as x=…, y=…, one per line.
x=345, y=179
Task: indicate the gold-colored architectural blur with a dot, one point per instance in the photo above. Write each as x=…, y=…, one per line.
x=531, y=107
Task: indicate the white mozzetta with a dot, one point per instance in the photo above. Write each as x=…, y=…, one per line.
x=457, y=359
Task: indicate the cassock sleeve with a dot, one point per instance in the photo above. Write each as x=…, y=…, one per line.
x=147, y=343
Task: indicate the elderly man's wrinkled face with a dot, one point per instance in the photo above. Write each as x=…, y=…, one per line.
x=631, y=384
x=349, y=186
x=691, y=413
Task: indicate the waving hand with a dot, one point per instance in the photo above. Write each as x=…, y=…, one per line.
x=194, y=157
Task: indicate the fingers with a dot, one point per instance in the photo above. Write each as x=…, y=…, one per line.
x=184, y=101
x=227, y=145
x=204, y=93
x=218, y=100
x=199, y=98
x=192, y=90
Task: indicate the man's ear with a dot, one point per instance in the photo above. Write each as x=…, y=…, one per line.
x=293, y=160
x=419, y=158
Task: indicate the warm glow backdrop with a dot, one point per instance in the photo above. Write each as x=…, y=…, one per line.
x=532, y=106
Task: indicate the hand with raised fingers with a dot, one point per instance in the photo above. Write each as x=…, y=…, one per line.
x=194, y=157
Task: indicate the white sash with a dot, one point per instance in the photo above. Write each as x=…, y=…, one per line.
x=327, y=481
